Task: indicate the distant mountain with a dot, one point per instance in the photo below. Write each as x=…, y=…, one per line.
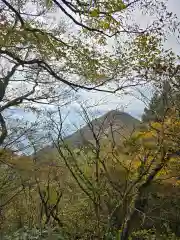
x=114, y=124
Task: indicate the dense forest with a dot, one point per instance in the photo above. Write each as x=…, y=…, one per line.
x=116, y=177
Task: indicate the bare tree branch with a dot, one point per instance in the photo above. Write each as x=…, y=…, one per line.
x=3, y=129
x=18, y=100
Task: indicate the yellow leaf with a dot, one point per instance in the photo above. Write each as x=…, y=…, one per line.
x=148, y=135
x=156, y=125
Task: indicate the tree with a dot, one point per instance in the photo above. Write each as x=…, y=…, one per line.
x=159, y=104
x=157, y=147
x=39, y=61
x=162, y=100
x=118, y=186
x=105, y=192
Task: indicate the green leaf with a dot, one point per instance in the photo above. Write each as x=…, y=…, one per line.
x=121, y=5
x=94, y=13
x=106, y=25
x=49, y=3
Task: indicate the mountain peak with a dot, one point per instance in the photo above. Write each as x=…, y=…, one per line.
x=120, y=122
x=115, y=113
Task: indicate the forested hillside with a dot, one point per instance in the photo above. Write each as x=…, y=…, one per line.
x=115, y=178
